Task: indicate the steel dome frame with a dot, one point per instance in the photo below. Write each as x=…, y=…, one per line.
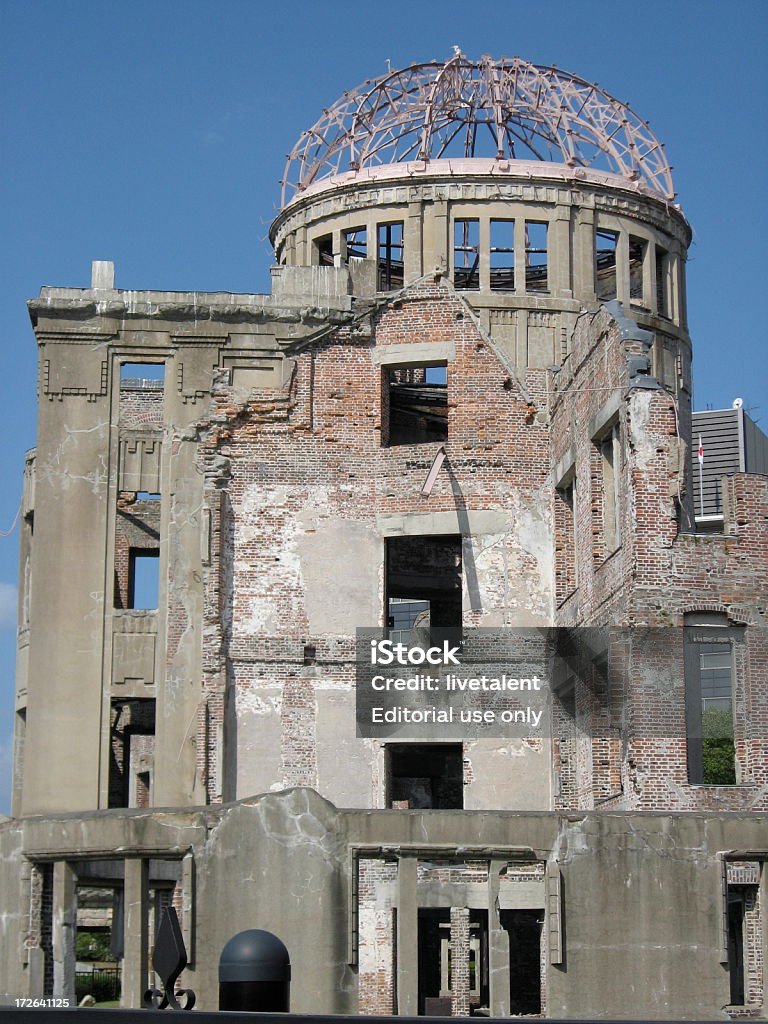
x=504, y=109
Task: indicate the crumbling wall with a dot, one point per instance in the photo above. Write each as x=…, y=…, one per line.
x=312, y=492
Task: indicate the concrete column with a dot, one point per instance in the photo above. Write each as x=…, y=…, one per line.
x=136, y=918
x=498, y=945
x=437, y=251
x=673, y=286
x=484, y=242
x=64, y=929
x=301, y=247
x=560, y=253
x=649, y=272
x=407, y=938
x=413, y=242
x=459, y=962
x=584, y=256
x=520, y=256
x=622, y=269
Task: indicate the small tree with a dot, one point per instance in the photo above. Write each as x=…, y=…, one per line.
x=718, y=753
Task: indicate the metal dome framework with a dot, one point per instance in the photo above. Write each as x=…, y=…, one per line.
x=503, y=109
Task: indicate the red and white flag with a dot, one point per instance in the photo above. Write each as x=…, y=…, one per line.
x=701, y=452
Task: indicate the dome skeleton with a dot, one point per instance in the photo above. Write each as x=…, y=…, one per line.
x=503, y=109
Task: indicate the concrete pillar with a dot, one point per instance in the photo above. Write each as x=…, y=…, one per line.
x=413, y=242
x=584, y=256
x=459, y=962
x=622, y=269
x=560, y=253
x=407, y=938
x=673, y=287
x=64, y=929
x=136, y=918
x=498, y=945
x=437, y=252
x=484, y=242
x=649, y=274
x=520, y=257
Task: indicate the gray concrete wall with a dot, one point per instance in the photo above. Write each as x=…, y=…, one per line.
x=641, y=893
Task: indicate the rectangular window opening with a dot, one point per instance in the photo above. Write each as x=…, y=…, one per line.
x=150, y=376
x=610, y=456
x=132, y=744
x=423, y=585
x=536, y=273
x=709, y=706
x=324, y=251
x=637, y=250
x=565, y=539
x=97, y=943
x=425, y=776
x=466, y=254
x=356, y=243
x=736, y=945
x=417, y=404
x=502, y=255
x=390, y=257
x=606, y=243
x=143, y=578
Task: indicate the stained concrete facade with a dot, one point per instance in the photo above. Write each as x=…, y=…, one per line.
x=220, y=496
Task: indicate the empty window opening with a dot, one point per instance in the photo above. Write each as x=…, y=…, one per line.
x=446, y=959
x=324, y=251
x=662, y=299
x=709, y=706
x=466, y=254
x=736, y=945
x=417, y=404
x=524, y=928
x=356, y=243
x=536, y=275
x=637, y=249
x=565, y=540
x=605, y=264
x=143, y=578
x=425, y=776
x=147, y=496
x=502, y=255
x=424, y=572
x=132, y=745
x=610, y=455
x=150, y=376
x=98, y=971
x=390, y=257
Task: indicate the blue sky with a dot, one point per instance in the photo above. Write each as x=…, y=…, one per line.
x=154, y=134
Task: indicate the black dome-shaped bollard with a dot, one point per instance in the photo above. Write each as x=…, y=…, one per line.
x=255, y=973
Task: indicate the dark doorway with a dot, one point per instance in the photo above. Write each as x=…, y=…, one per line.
x=437, y=964
x=736, y=946
x=524, y=929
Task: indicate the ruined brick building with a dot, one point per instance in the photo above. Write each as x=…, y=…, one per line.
x=479, y=277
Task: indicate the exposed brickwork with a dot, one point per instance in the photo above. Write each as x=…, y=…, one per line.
x=141, y=408
x=137, y=528
x=377, y=951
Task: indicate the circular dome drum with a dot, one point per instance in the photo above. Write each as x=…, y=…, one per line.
x=501, y=110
